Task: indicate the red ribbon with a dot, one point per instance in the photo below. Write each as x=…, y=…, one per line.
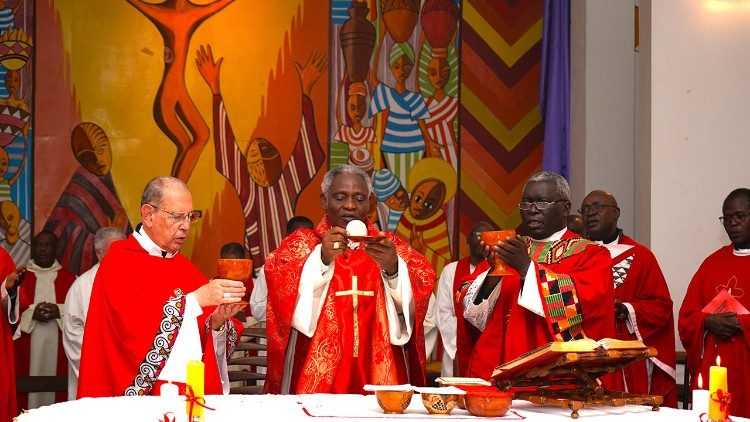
x=191, y=398
x=168, y=417
x=723, y=398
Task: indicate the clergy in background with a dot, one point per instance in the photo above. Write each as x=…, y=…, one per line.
x=643, y=305
x=152, y=310
x=553, y=270
x=38, y=345
x=457, y=333
x=707, y=335
x=77, y=306
x=9, y=301
x=342, y=314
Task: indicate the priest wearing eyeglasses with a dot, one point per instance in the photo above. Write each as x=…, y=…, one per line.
x=713, y=332
x=152, y=310
x=560, y=288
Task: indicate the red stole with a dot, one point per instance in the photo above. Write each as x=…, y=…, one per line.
x=319, y=361
x=466, y=334
x=7, y=369
x=63, y=281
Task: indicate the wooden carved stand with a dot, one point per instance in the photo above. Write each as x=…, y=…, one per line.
x=571, y=381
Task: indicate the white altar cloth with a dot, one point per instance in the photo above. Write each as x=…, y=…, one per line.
x=320, y=407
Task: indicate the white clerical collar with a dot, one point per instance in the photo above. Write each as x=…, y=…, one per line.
x=614, y=242
x=35, y=268
x=554, y=237
x=741, y=252
x=146, y=243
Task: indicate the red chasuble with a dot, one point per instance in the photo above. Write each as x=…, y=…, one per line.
x=721, y=270
x=136, y=311
x=640, y=285
x=466, y=333
x=63, y=281
x=329, y=362
x=7, y=368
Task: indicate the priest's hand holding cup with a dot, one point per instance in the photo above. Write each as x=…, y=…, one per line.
x=218, y=291
x=383, y=252
x=223, y=312
x=334, y=243
x=514, y=252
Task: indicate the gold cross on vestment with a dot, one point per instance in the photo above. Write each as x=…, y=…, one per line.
x=731, y=288
x=355, y=294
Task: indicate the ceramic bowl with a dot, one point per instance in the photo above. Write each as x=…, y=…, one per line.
x=488, y=404
x=234, y=269
x=439, y=404
x=394, y=401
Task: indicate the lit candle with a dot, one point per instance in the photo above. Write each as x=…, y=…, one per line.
x=170, y=393
x=717, y=380
x=700, y=397
x=169, y=390
x=195, y=374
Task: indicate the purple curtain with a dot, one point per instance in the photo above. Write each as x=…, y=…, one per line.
x=555, y=86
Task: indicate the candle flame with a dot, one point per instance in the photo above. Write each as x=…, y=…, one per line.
x=718, y=360
x=700, y=381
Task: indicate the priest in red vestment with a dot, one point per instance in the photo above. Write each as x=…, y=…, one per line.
x=560, y=288
x=707, y=336
x=152, y=310
x=38, y=346
x=457, y=334
x=643, y=304
x=9, y=300
x=345, y=313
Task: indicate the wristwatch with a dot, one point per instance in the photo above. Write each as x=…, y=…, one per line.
x=222, y=328
x=387, y=277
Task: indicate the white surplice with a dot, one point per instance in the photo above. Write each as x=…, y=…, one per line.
x=446, y=317
x=259, y=296
x=76, y=307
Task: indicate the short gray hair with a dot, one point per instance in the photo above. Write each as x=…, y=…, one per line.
x=153, y=193
x=107, y=234
x=562, y=188
x=325, y=185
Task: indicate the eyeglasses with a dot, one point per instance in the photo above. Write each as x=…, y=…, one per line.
x=596, y=207
x=540, y=205
x=178, y=217
x=738, y=218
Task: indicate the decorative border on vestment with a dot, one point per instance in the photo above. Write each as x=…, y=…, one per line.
x=156, y=357
x=231, y=332
x=561, y=306
x=554, y=252
x=620, y=270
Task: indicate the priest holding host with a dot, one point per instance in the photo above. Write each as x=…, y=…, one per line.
x=342, y=311
x=643, y=304
x=152, y=310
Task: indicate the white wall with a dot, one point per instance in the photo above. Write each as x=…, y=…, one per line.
x=700, y=127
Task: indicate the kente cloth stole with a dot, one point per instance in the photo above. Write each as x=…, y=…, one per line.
x=155, y=359
x=559, y=296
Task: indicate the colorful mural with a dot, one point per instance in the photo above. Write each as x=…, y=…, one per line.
x=16, y=126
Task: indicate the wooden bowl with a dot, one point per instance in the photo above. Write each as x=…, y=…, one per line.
x=394, y=401
x=234, y=269
x=439, y=404
x=488, y=404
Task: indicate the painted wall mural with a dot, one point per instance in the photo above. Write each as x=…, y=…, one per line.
x=251, y=102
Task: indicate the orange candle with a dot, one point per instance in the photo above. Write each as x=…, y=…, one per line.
x=717, y=386
x=195, y=380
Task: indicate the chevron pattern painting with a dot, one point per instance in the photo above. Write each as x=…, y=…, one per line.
x=501, y=129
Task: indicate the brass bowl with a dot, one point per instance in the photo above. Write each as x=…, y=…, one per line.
x=394, y=401
x=439, y=404
x=489, y=404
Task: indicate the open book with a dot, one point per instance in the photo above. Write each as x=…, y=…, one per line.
x=550, y=351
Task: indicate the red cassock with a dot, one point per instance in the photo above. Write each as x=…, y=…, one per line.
x=326, y=363
x=26, y=292
x=721, y=270
x=134, y=318
x=7, y=369
x=466, y=333
x=640, y=285
x=575, y=284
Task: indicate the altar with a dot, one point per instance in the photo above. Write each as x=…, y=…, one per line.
x=321, y=407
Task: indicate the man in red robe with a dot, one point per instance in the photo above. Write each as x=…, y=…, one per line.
x=643, y=305
x=344, y=313
x=9, y=300
x=459, y=335
x=38, y=346
x=707, y=336
x=152, y=310
x=553, y=270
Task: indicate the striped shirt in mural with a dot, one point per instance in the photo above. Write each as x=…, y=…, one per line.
x=388, y=217
x=440, y=126
x=267, y=209
x=355, y=139
x=434, y=234
x=88, y=203
x=402, y=132
x=20, y=250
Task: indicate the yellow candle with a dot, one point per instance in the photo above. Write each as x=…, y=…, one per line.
x=195, y=374
x=717, y=380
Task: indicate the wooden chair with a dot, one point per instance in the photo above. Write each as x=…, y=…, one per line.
x=249, y=358
x=683, y=390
